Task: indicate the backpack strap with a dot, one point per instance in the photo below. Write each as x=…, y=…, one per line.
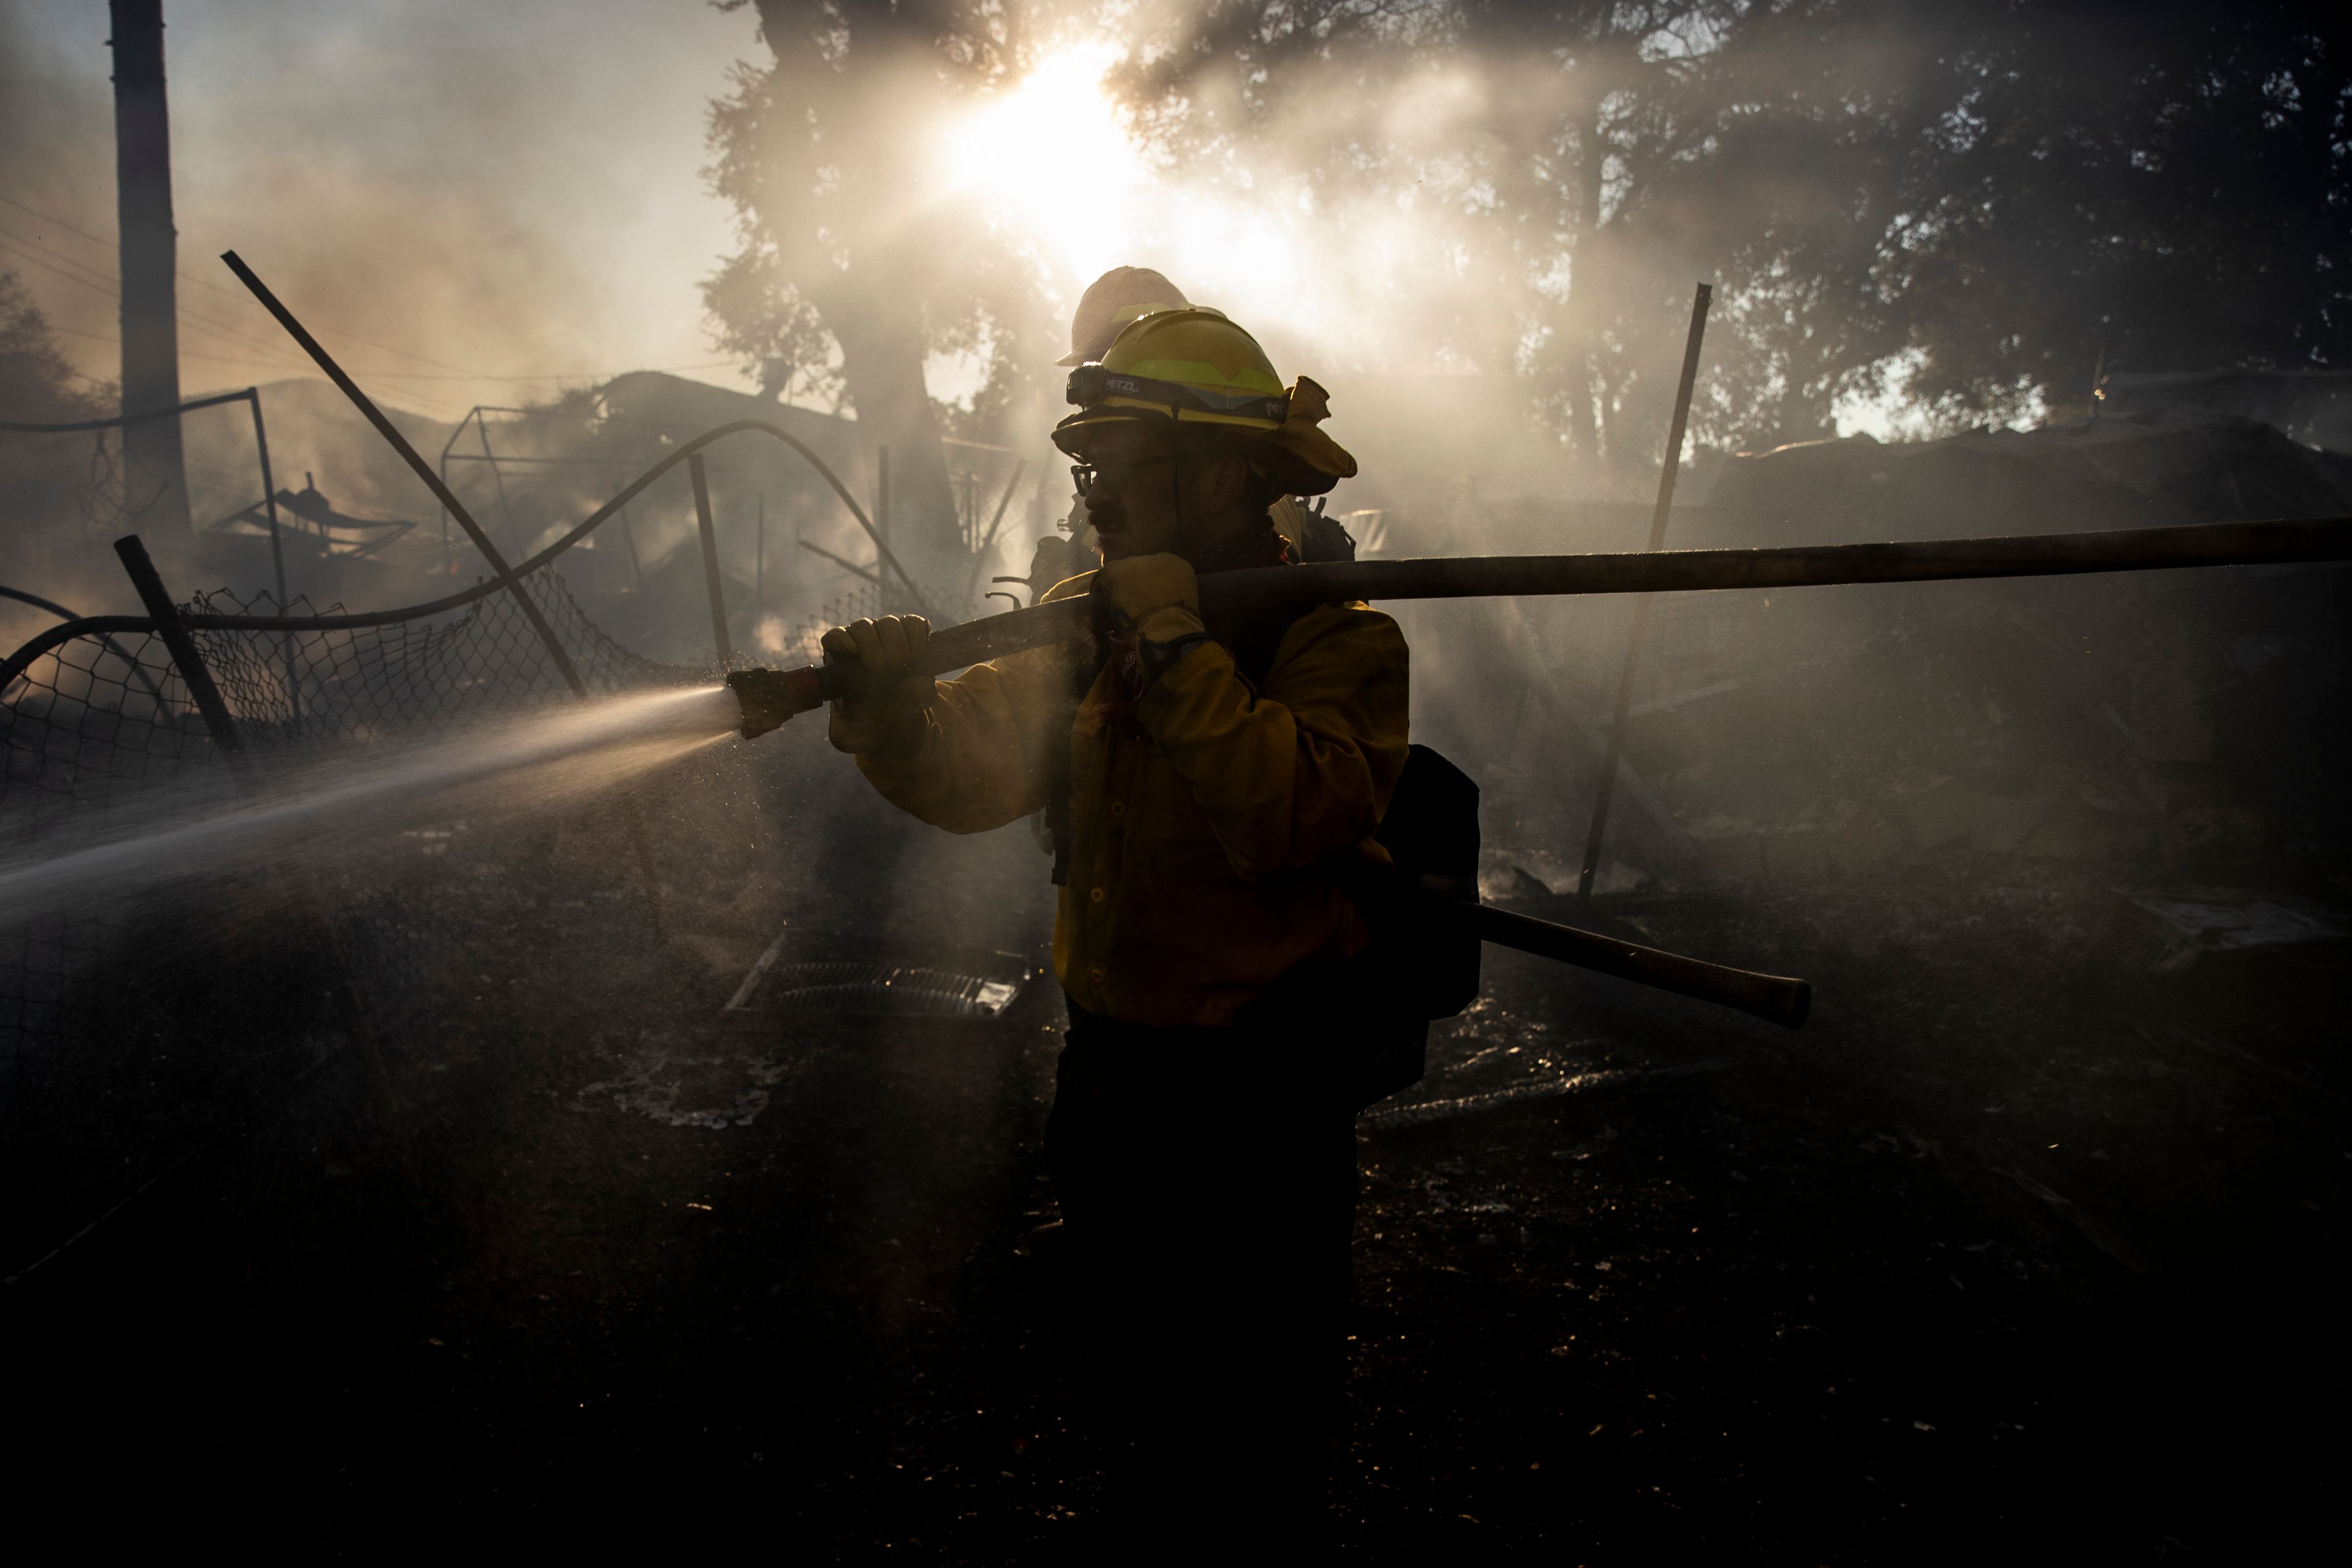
x=1057, y=808
x=1253, y=644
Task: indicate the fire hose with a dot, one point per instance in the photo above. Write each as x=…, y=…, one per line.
x=771, y=697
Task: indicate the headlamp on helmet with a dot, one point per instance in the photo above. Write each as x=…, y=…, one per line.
x=1090, y=384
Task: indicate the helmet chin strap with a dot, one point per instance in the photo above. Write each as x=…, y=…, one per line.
x=1189, y=543
x=1186, y=545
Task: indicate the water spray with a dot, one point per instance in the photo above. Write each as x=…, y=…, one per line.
x=494, y=766
x=767, y=699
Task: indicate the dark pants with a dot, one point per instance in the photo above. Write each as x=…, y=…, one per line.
x=1207, y=1181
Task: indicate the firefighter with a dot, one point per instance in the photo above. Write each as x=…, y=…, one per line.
x=1120, y=296
x=1211, y=784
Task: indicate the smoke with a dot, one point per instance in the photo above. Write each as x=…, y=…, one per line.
x=450, y=194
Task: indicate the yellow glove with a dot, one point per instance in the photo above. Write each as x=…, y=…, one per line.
x=884, y=686
x=1157, y=597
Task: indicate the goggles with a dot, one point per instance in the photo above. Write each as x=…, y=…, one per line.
x=1092, y=383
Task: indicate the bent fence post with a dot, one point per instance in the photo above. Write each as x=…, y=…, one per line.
x=710, y=575
x=193, y=674
x=310, y=899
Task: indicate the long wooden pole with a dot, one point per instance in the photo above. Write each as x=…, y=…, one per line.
x=1641, y=605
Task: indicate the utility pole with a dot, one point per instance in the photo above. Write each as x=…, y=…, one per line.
x=155, y=491
x=1665, y=507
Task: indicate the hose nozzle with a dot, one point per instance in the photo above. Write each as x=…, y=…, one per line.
x=769, y=697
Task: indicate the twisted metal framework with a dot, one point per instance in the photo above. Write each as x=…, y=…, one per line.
x=250, y=397
x=15, y=666
x=111, y=717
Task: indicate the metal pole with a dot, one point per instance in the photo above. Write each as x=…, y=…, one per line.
x=988, y=545
x=182, y=647
x=710, y=560
x=277, y=556
x=629, y=537
x=882, y=494
x=269, y=494
x=1641, y=605
x=759, y=570
x=423, y=469
x=482, y=428
x=446, y=447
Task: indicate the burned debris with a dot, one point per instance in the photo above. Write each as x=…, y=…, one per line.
x=1458, y=993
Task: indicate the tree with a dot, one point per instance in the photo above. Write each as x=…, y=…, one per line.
x=44, y=479
x=850, y=267
x=2173, y=196
x=1522, y=139
x=36, y=380
x=1967, y=204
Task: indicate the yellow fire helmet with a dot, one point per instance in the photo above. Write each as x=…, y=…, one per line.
x=1193, y=367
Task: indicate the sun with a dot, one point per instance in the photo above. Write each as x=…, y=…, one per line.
x=1051, y=158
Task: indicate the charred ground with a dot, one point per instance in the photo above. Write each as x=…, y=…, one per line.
x=2003, y=1247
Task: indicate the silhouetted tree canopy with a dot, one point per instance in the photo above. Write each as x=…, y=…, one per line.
x=1971, y=207
x=850, y=273
x=36, y=384
x=1976, y=202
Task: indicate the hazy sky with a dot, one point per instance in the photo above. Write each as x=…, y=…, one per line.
x=509, y=189
x=456, y=193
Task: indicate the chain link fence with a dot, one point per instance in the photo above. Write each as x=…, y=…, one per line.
x=137, y=1021
x=139, y=1025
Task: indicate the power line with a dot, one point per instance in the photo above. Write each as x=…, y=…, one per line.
x=440, y=406
x=106, y=283
x=226, y=292
x=61, y=223
x=460, y=373
x=115, y=293
x=562, y=375
x=114, y=286
x=68, y=277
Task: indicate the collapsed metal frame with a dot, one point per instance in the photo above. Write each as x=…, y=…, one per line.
x=251, y=396
x=91, y=626
x=507, y=578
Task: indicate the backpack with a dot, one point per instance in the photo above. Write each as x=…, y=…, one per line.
x=1421, y=963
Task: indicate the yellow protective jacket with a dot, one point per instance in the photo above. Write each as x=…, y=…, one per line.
x=1209, y=821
